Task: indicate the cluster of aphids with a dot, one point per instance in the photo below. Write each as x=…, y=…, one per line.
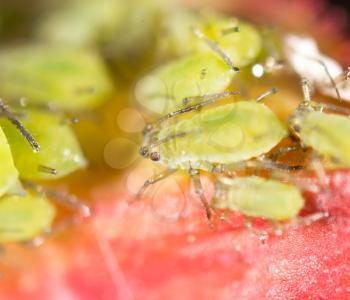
x=37, y=143
x=208, y=127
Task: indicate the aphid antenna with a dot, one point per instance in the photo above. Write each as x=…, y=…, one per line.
x=336, y=108
x=48, y=170
x=214, y=46
x=343, y=77
x=207, y=99
x=331, y=79
x=154, y=179
x=210, y=98
x=269, y=92
x=14, y=120
x=170, y=138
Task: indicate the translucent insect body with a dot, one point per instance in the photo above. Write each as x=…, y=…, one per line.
x=211, y=139
x=220, y=46
x=258, y=197
x=326, y=133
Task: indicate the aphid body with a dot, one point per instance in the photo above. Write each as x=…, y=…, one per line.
x=220, y=46
x=258, y=197
x=9, y=173
x=221, y=135
x=326, y=133
x=212, y=139
x=22, y=218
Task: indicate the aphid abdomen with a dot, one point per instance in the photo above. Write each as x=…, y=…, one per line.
x=224, y=134
x=23, y=218
x=327, y=134
x=8, y=173
x=198, y=74
x=258, y=197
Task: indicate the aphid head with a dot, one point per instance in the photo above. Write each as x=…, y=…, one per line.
x=144, y=151
x=155, y=156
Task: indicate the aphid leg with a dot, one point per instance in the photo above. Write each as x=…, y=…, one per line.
x=265, y=163
x=198, y=188
x=303, y=221
x=266, y=94
x=284, y=150
x=320, y=172
x=56, y=229
x=214, y=46
x=60, y=197
x=154, y=179
x=262, y=234
x=13, y=119
x=222, y=169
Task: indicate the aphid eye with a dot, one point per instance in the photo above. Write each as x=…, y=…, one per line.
x=296, y=128
x=155, y=156
x=144, y=151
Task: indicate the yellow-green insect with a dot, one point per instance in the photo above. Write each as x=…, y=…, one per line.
x=219, y=48
x=22, y=218
x=212, y=138
x=327, y=134
x=28, y=214
x=258, y=197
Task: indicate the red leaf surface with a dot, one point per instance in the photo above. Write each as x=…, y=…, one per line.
x=162, y=248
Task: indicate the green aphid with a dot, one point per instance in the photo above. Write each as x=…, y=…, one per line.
x=326, y=133
x=82, y=23
x=225, y=134
x=258, y=197
x=60, y=153
x=241, y=41
x=164, y=89
x=24, y=218
x=52, y=76
x=212, y=139
x=9, y=174
x=219, y=47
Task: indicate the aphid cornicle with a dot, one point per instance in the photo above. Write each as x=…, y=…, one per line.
x=212, y=139
x=327, y=134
